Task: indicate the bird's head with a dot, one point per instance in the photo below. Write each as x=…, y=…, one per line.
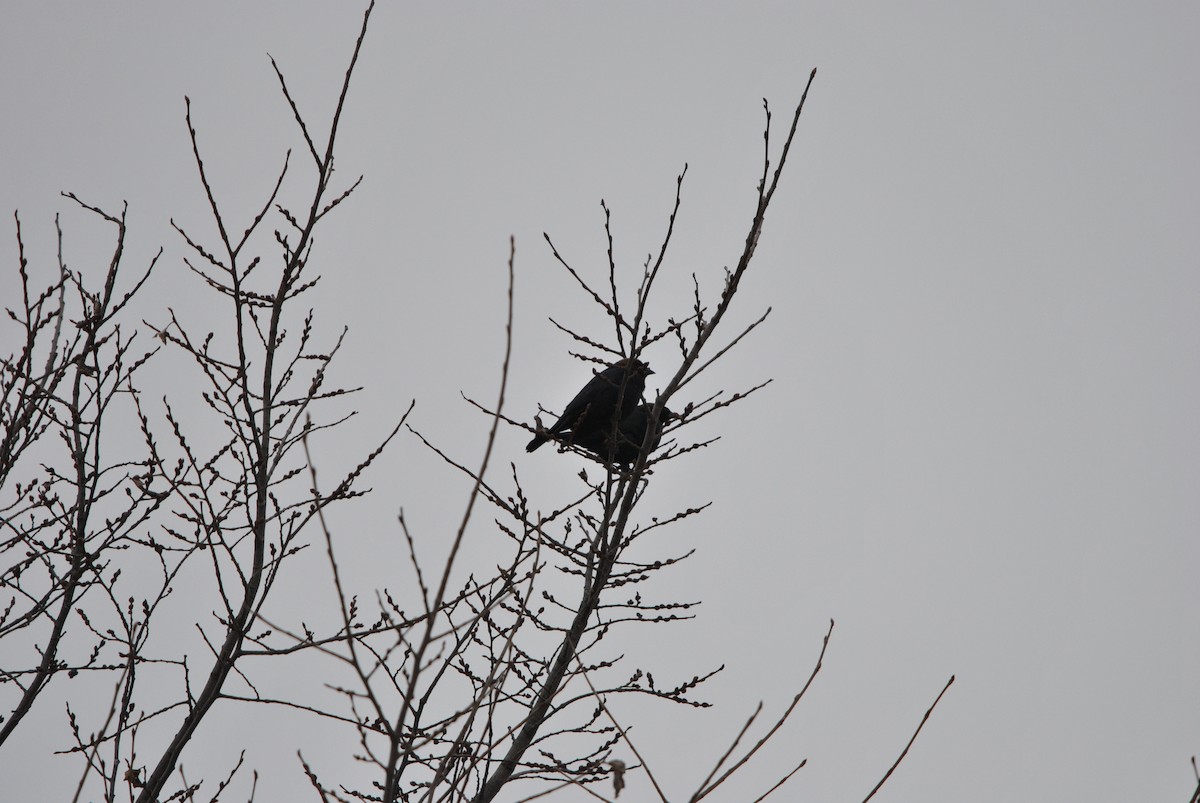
x=633, y=367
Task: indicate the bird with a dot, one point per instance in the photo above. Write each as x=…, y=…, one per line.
x=629, y=436
x=595, y=408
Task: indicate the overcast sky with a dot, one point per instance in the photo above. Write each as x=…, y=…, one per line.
x=980, y=453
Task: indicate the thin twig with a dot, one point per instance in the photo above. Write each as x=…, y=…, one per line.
x=703, y=790
x=904, y=752
x=624, y=732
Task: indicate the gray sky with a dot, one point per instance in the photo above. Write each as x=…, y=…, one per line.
x=980, y=454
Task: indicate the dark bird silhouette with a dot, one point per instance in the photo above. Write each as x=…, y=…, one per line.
x=629, y=436
x=595, y=408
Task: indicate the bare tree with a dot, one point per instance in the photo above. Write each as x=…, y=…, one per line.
x=60, y=527
x=496, y=680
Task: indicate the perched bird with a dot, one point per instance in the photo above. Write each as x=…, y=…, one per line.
x=629, y=436
x=594, y=408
